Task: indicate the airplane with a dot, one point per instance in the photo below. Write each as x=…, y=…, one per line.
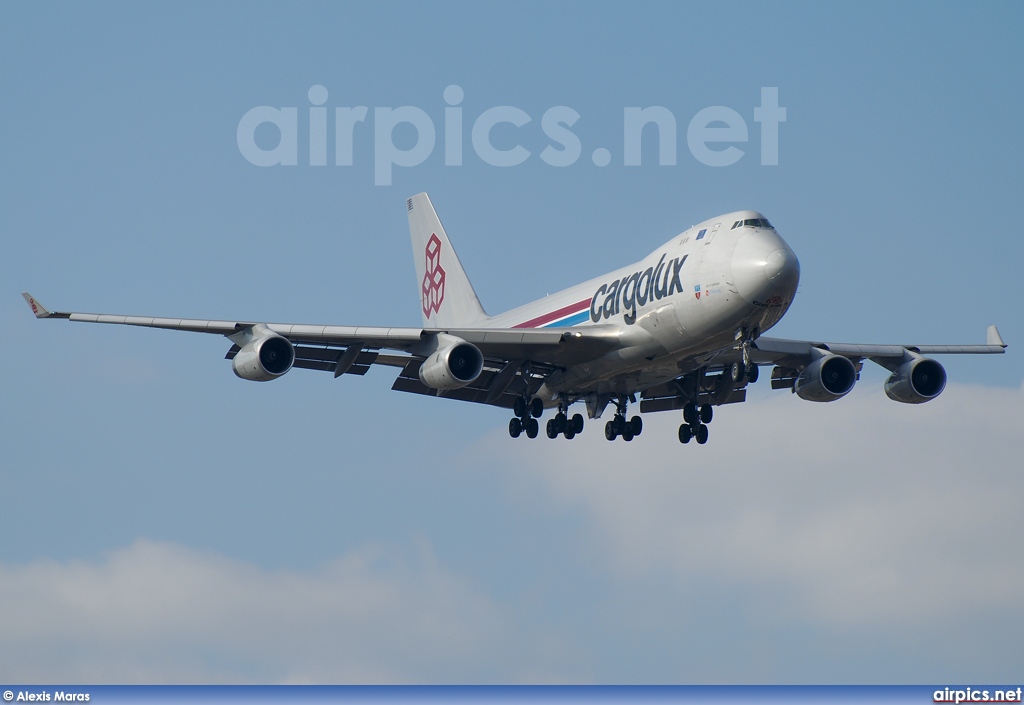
x=680, y=329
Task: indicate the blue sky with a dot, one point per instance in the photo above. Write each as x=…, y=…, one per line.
x=332, y=530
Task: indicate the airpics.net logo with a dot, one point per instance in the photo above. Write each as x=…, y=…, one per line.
x=712, y=134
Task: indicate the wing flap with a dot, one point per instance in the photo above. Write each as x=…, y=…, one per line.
x=470, y=394
x=527, y=379
x=672, y=403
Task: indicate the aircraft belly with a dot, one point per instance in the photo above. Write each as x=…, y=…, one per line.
x=671, y=340
x=634, y=369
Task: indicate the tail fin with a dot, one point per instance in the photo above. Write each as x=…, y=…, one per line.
x=446, y=296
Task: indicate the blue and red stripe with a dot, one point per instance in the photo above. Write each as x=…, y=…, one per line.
x=570, y=315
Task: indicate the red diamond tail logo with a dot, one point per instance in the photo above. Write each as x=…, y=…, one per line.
x=432, y=287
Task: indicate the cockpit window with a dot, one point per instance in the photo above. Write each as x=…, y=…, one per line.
x=752, y=223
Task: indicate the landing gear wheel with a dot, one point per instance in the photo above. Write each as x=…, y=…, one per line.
x=627, y=434
x=552, y=428
x=515, y=427
x=577, y=423
x=519, y=407
x=737, y=373
x=636, y=425
x=560, y=422
x=690, y=415
x=701, y=434
x=536, y=407
x=532, y=428
x=609, y=431
x=706, y=413
x=685, y=434
x=569, y=433
x=752, y=373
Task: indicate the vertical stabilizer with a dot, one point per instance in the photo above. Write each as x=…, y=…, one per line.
x=447, y=298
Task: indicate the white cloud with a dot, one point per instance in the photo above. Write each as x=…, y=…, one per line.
x=860, y=514
x=874, y=524
x=159, y=612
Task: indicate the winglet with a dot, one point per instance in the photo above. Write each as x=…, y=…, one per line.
x=993, y=337
x=41, y=311
x=37, y=308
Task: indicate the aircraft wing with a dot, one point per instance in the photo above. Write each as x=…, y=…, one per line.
x=516, y=360
x=779, y=351
x=789, y=357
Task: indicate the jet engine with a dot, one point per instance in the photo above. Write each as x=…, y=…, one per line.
x=916, y=381
x=452, y=366
x=264, y=358
x=828, y=378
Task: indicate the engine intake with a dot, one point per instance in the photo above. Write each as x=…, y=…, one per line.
x=452, y=366
x=828, y=378
x=264, y=358
x=916, y=381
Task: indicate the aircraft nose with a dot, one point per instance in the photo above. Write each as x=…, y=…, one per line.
x=779, y=262
x=764, y=266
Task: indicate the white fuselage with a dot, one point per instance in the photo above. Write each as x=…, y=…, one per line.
x=681, y=328
x=696, y=295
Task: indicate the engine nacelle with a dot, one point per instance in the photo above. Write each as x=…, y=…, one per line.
x=916, y=381
x=264, y=358
x=828, y=378
x=452, y=366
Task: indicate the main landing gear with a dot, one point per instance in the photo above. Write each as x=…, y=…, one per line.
x=562, y=424
x=695, y=421
x=618, y=426
x=527, y=413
